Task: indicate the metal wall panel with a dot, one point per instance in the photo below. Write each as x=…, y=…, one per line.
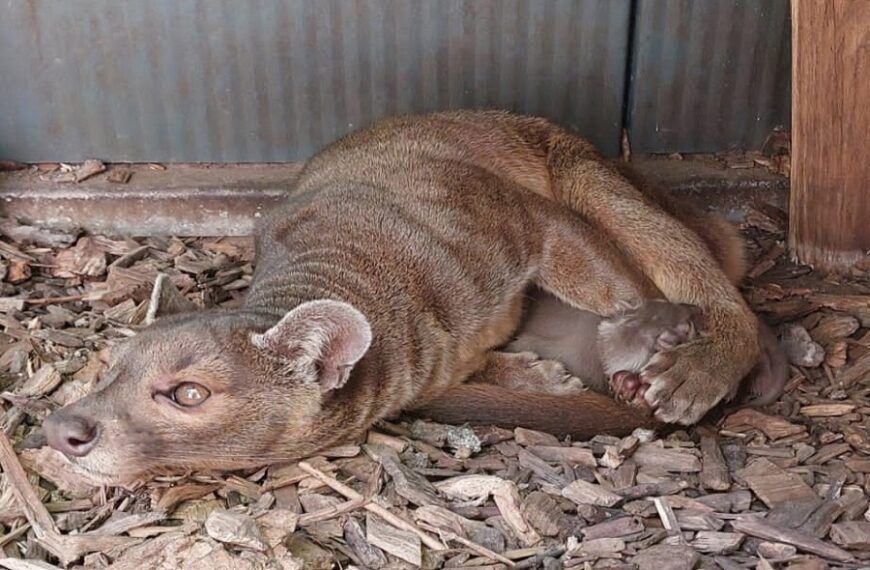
x=708, y=75
x=273, y=80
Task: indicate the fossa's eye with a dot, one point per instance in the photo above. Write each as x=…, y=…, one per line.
x=190, y=394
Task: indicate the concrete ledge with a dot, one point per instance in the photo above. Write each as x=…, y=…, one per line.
x=215, y=200
x=729, y=191
x=181, y=200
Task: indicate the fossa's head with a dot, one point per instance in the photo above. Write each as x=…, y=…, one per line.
x=212, y=390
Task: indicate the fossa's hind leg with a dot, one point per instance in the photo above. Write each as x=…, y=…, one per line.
x=685, y=382
x=584, y=269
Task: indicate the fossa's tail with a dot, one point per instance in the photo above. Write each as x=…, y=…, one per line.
x=581, y=415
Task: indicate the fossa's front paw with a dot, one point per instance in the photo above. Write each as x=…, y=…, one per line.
x=681, y=387
x=527, y=372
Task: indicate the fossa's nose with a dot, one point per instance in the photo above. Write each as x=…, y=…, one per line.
x=71, y=434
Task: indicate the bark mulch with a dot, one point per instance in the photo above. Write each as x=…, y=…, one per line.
x=781, y=487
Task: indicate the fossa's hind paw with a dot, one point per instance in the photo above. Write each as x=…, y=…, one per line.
x=629, y=387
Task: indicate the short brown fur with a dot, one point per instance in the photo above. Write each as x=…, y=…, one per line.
x=432, y=228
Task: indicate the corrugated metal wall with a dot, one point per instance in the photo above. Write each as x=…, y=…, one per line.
x=273, y=80
x=709, y=75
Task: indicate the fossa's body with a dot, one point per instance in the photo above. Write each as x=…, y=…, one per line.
x=400, y=260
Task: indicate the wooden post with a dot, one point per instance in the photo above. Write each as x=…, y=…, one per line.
x=829, y=212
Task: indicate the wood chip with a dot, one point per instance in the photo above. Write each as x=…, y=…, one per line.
x=690, y=519
x=571, y=455
x=43, y=382
x=59, y=337
x=166, y=299
x=543, y=513
x=819, y=522
x=714, y=471
x=382, y=512
x=858, y=370
x=775, y=551
x=834, y=327
x=600, y=547
x=736, y=501
x=371, y=556
x=18, y=271
x=584, y=493
x=235, y=528
x=127, y=522
x=19, y=564
x=836, y=354
x=772, y=426
x=88, y=168
x=714, y=542
x=672, y=557
x=757, y=526
x=483, y=551
x=854, y=535
x=400, y=543
x=827, y=410
x=378, y=438
x=53, y=466
x=776, y=486
x=525, y=436
x=855, y=305
x=671, y=460
x=408, y=484
x=11, y=304
x=649, y=489
x=86, y=258
x=616, y=528
x=119, y=176
x=173, y=496
x=541, y=468
x=507, y=499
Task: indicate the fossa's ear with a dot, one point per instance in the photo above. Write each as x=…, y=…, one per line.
x=167, y=300
x=329, y=336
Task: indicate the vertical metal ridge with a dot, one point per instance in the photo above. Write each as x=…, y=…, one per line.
x=205, y=112
x=708, y=75
x=272, y=80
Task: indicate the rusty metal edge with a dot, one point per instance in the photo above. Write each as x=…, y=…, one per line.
x=218, y=204
x=194, y=211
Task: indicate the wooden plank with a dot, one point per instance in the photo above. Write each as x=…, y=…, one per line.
x=830, y=121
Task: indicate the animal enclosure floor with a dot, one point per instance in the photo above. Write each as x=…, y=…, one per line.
x=780, y=487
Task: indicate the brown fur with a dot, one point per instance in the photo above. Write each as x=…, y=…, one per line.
x=561, y=351
x=432, y=228
x=593, y=348
x=578, y=414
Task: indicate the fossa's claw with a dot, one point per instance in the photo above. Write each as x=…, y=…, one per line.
x=628, y=387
